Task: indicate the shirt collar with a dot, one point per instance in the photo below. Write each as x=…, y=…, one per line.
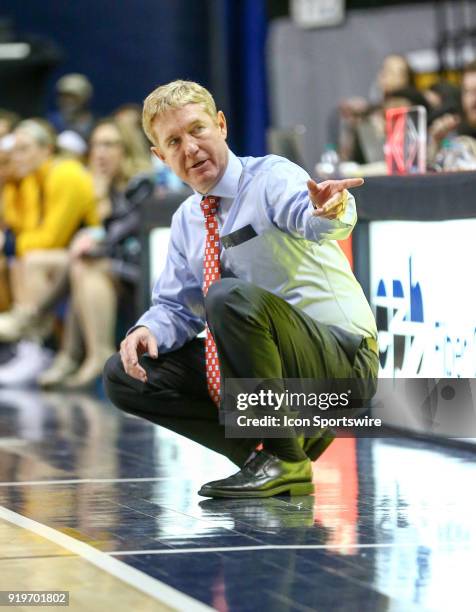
x=227, y=186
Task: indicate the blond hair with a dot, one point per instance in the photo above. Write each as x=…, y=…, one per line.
x=175, y=95
x=136, y=155
x=42, y=132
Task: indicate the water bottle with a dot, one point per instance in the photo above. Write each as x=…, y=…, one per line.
x=328, y=166
x=454, y=155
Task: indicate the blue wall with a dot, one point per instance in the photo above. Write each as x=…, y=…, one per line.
x=125, y=47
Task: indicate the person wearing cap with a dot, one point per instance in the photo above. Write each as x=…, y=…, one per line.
x=74, y=93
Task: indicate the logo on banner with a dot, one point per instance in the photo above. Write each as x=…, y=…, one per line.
x=411, y=344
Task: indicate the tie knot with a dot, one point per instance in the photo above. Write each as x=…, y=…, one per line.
x=209, y=205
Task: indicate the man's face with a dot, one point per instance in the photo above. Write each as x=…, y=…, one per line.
x=192, y=144
x=27, y=154
x=468, y=97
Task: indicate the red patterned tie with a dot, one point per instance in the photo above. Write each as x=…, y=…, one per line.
x=211, y=273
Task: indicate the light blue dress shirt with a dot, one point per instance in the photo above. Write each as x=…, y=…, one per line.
x=271, y=240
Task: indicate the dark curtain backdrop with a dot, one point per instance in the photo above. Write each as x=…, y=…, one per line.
x=126, y=48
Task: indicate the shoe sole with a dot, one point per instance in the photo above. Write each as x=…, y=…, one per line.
x=320, y=445
x=293, y=489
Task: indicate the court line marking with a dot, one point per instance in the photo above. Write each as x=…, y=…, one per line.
x=29, y=557
x=176, y=551
x=80, y=481
x=128, y=574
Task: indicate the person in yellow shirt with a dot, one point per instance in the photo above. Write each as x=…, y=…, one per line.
x=6, y=176
x=42, y=210
x=53, y=198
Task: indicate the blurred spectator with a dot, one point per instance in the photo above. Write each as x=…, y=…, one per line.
x=8, y=121
x=74, y=93
x=361, y=129
x=468, y=101
x=104, y=262
x=42, y=209
x=51, y=198
x=395, y=74
x=6, y=166
x=115, y=156
x=129, y=118
x=453, y=124
x=129, y=115
x=442, y=97
x=6, y=175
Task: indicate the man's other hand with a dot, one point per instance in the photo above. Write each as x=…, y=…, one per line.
x=329, y=198
x=138, y=342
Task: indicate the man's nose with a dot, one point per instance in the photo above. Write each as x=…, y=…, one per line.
x=191, y=146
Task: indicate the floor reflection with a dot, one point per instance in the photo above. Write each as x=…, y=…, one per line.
x=390, y=526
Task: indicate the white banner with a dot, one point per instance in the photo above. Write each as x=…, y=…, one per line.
x=423, y=292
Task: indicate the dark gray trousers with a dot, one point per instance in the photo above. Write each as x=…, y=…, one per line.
x=258, y=335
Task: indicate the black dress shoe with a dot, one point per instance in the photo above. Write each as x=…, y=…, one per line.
x=315, y=446
x=264, y=476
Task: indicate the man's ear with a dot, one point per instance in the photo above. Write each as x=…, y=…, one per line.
x=157, y=153
x=222, y=123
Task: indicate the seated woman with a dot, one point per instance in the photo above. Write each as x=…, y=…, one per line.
x=100, y=262
x=45, y=202
x=360, y=118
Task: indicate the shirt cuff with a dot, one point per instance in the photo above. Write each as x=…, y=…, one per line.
x=319, y=229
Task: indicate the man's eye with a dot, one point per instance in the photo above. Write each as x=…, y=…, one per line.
x=173, y=142
x=197, y=129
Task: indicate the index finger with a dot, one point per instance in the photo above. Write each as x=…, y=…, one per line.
x=351, y=182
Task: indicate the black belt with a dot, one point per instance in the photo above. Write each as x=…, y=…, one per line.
x=371, y=344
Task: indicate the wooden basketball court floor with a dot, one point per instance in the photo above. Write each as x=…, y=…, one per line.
x=105, y=506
